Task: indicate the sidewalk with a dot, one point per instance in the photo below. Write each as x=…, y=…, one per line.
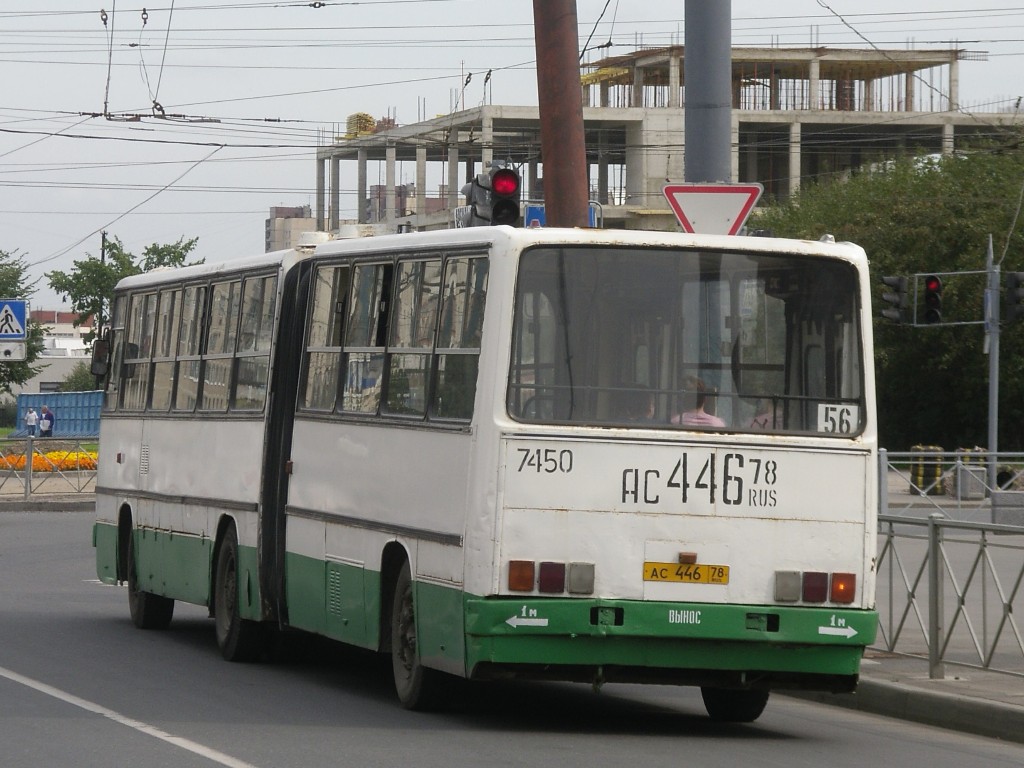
x=973, y=701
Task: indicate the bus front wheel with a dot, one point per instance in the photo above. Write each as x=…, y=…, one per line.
x=148, y=611
x=417, y=687
x=238, y=638
x=729, y=706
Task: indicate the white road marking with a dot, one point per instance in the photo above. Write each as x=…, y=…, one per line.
x=117, y=717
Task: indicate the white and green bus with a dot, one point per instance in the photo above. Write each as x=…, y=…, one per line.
x=583, y=455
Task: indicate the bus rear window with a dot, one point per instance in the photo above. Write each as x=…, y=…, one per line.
x=686, y=339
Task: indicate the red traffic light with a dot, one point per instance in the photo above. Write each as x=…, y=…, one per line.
x=932, y=299
x=505, y=182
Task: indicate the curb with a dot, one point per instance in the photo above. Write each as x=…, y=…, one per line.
x=48, y=505
x=981, y=717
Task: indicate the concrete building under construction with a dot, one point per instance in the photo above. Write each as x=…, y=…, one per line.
x=798, y=115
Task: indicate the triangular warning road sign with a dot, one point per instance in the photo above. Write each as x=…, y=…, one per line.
x=712, y=209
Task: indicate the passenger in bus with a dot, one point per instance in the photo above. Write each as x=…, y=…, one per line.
x=766, y=417
x=694, y=398
x=637, y=405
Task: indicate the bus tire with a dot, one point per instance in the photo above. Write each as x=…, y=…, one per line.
x=418, y=688
x=732, y=706
x=238, y=639
x=148, y=611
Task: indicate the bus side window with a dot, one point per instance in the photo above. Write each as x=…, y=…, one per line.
x=168, y=316
x=464, y=290
x=137, y=350
x=414, y=321
x=365, y=334
x=186, y=394
x=252, y=374
x=220, y=345
x=116, y=340
x=328, y=302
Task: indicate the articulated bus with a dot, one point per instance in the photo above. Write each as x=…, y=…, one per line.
x=579, y=455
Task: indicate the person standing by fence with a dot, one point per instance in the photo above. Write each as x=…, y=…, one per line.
x=46, y=422
x=31, y=419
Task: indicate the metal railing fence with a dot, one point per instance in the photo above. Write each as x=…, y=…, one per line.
x=950, y=564
x=46, y=466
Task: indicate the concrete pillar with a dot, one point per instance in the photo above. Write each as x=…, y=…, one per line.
x=454, y=188
x=750, y=158
x=954, y=85
x=487, y=142
x=389, y=182
x=734, y=144
x=362, y=212
x=814, y=85
x=421, y=187
x=604, y=90
x=869, y=96
x=948, y=139
x=335, y=214
x=602, y=168
x=910, y=86
x=794, y=158
x=674, y=80
x=321, y=197
x=637, y=98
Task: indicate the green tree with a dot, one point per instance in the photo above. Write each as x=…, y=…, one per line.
x=919, y=216
x=90, y=283
x=80, y=379
x=14, y=285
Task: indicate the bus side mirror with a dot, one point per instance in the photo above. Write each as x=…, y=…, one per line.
x=100, y=357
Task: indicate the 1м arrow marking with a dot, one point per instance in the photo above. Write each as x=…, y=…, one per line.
x=846, y=632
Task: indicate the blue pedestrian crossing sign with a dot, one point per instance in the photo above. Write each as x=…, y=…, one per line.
x=13, y=319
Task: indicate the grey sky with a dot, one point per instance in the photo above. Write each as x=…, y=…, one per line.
x=250, y=87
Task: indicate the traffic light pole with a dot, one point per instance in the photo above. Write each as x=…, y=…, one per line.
x=992, y=348
x=560, y=98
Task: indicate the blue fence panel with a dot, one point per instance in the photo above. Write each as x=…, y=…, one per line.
x=76, y=414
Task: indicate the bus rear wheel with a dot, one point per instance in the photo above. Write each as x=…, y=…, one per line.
x=239, y=639
x=148, y=611
x=730, y=706
x=417, y=687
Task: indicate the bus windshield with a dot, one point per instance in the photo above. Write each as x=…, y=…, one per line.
x=687, y=339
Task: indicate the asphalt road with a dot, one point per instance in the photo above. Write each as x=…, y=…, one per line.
x=80, y=686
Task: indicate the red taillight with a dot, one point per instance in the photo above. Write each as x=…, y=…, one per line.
x=815, y=587
x=552, y=578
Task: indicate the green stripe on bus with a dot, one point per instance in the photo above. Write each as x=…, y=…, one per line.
x=177, y=565
x=343, y=601
x=104, y=538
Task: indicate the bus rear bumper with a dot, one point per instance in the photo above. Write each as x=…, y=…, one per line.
x=734, y=646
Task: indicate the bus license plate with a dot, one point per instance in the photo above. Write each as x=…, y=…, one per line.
x=689, y=573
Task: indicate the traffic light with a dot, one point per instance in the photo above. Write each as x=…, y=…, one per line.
x=493, y=197
x=1013, y=299
x=932, y=299
x=504, y=196
x=896, y=299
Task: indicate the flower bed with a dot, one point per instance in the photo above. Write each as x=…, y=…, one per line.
x=54, y=461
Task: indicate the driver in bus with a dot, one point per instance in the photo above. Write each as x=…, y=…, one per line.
x=694, y=398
